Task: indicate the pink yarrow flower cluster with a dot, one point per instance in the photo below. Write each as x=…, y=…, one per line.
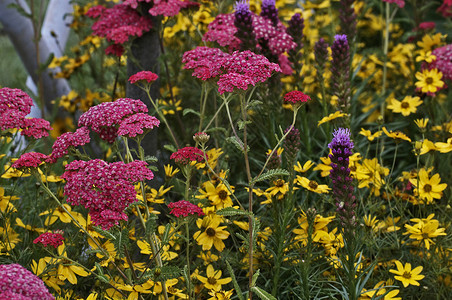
x=105, y=189
x=186, y=155
x=236, y=70
x=222, y=30
x=18, y=283
x=53, y=239
x=110, y=119
x=118, y=23
x=29, y=160
x=443, y=61
x=167, y=8
x=15, y=105
x=296, y=97
x=184, y=208
x=144, y=76
x=69, y=139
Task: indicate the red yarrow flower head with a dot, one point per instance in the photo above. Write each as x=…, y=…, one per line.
x=105, y=189
x=446, y=8
x=183, y=208
x=19, y=283
x=400, y=3
x=29, y=160
x=69, y=139
x=36, y=127
x=187, y=155
x=137, y=124
x=143, y=76
x=233, y=81
x=54, y=239
x=443, y=61
x=296, y=99
x=106, y=117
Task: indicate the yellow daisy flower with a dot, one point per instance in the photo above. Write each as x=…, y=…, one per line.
x=302, y=169
x=280, y=188
x=429, y=81
x=219, y=196
x=312, y=185
x=424, y=230
x=430, y=42
x=213, y=281
x=396, y=135
x=428, y=188
x=421, y=123
x=220, y=295
x=444, y=147
x=212, y=234
x=369, y=135
x=407, y=106
x=170, y=172
x=425, y=56
x=407, y=275
x=335, y=115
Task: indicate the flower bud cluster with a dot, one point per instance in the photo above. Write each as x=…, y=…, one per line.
x=183, y=208
x=340, y=69
x=105, y=189
x=16, y=282
x=69, y=139
x=53, y=239
x=292, y=144
x=269, y=11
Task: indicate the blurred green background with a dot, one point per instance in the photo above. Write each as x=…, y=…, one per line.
x=12, y=72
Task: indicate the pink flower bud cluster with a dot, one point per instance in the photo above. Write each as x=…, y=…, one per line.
x=118, y=23
x=16, y=282
x=443, y=61
x=296, y=97
x=134, y=124
x=167, y=8
x=69, y=139
x=147, y=76
x=15, y=105
x=50, y=238
x=29, y=160
x=186, y=155
x=184, y=208
x=223, y=31
x=106, y=117
x=105, y=189
x=236, y=70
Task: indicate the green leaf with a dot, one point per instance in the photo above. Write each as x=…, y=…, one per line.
x=234, y=281
x=237, y=143
x=269, y=175
x=253, y=103
x=165, y=237
x=170, y=148
x=190, y=111
x=242, y=124
x=262, y=294
x=231, y=211
x=105, y=233
x=255, y=276
x=150, y=159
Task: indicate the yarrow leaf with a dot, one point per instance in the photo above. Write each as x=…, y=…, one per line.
x=230, y=211
x=234, y=282
x=190, y=111
x=269, y=175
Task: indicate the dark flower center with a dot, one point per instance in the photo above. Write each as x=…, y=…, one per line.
x=222, y=194
x=279, y=183
x=429, y=80
x=406, y=275
x=427, y=188
x=313, y=185
x=405, y=105
x=211, y=280
x=210, y=231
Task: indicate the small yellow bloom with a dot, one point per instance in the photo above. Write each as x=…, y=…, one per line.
x=429, y=81
x=335, y=115
x=169, y=172
x=444, y=147
x=303, y=169
x=407, y=275
x=424, y=230
x=213, y=281
x=428, y=188
x=312, y=185
x=396, y=135
x=430, y=42
x=407, y=106
x=421, y=123
x=369, y=135
x=212, y=234
x=425, y=56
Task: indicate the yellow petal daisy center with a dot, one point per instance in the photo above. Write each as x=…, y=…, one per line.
x=429, y=80
x=222, y=194
x=405, y=105
x=406, y=275
x=313, y=185
x=427, y=188
x=211, y=280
